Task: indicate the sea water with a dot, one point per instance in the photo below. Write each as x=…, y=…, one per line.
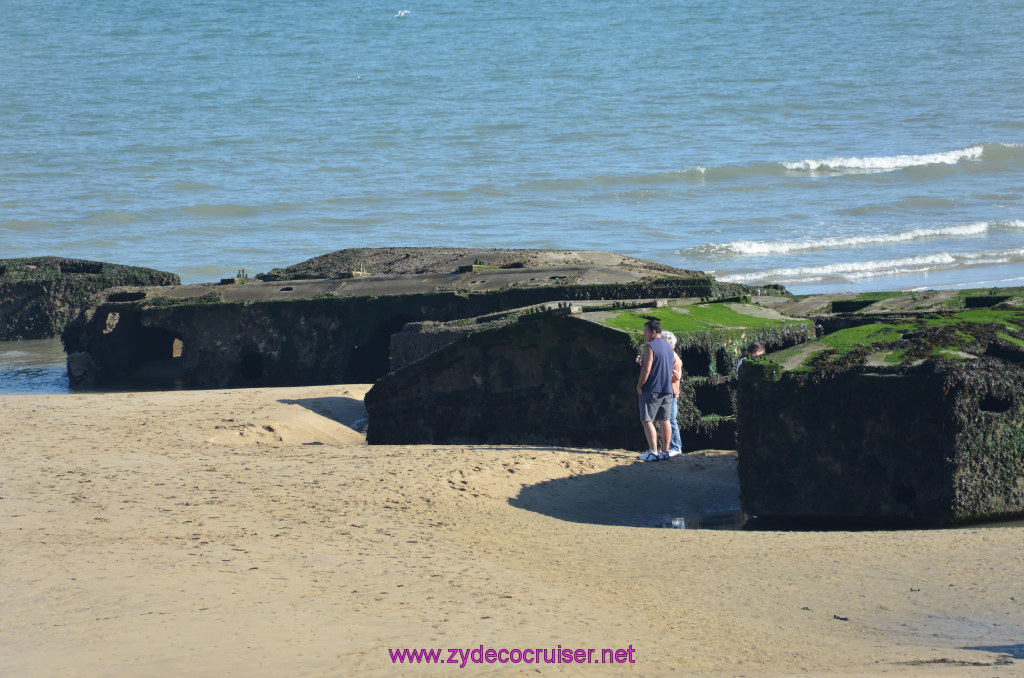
x=822, y=145
x=35, y=366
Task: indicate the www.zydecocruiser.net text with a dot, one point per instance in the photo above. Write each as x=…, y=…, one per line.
x=479, y=655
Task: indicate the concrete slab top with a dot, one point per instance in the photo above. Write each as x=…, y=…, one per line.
x=423, y=283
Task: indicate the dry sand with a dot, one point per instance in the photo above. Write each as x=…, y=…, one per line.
x=254, y=533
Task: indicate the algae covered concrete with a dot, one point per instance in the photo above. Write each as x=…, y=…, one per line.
x=256, y=333
x=711, y=339
x=391, y=261
x=915, y=418
x=39, y=295
x=565, y=375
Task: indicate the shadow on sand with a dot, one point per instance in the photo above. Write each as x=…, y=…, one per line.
x=694, y=490
x=1007, y=651
x=346, y=411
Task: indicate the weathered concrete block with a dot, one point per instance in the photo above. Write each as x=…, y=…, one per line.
x=921, y=420
x=549, y=379
x=605, y=418
x=315, y=332
x=39, y=295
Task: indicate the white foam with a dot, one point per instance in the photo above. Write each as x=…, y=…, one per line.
x=763, y=247
x=997, y=282
x=886, y=163
x=859, y=270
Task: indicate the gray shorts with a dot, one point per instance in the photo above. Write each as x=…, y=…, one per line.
x=655, y=406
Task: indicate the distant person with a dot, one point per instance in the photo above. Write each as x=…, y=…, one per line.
x=755, y=350
x=675, y=446
x=654, y=388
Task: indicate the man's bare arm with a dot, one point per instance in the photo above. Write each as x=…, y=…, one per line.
x=645, y=368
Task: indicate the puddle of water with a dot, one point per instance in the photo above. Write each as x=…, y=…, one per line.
x=738, y=520
x=720, y=520
x=34, y=366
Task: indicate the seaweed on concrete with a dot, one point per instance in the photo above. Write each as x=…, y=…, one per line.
x=910, y=340
x=39, y=295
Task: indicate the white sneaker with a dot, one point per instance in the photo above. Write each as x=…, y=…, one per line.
x=649, y=455
x=675, y=453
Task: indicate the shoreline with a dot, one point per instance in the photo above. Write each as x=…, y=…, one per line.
x=254, y=531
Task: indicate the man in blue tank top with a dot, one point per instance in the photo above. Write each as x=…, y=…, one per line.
x=654, y=389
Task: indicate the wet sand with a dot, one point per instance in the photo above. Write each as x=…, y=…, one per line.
x=253, y=532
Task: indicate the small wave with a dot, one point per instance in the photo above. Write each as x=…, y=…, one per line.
x=859, y=270
x=113, y=217
x=703, y=174
x=227, y=210
x=987, y=152
x=1012, y=281
x=192, y=186
x=25, y=225
x=995, y=152
x=886, y=163
x=763, y=247
x=767, y=171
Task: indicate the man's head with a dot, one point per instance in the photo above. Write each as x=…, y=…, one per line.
x=755, y=349
x=652, y=329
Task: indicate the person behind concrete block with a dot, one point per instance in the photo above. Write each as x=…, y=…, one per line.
x=654, y=391
x=755, y=350
x=675, y=446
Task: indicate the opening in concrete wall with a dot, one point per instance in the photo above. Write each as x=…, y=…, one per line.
x=696, y=362
x=986, y=301
x=127, y=296
x=991, y=403
x=156, y=343
x=713, y=398
x=159, y=358
x=250, y=365
x=723, y=364
x=850, y=305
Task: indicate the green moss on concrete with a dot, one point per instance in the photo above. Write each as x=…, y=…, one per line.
x=878, y=296
x=763, y=369
x=861, y=301
x=693, y=318
x=713, y=336
x=168, y=302
x=995, y=296
x=39, y=295
x=1011, y=319
x=953, y=336
x=1013, y=340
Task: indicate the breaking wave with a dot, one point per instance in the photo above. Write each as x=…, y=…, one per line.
x=763, y=247
x=860, y=270
x=994, y=153
x=887, y=163
x=984, y=153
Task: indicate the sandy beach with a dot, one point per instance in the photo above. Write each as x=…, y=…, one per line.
x=254, y=533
